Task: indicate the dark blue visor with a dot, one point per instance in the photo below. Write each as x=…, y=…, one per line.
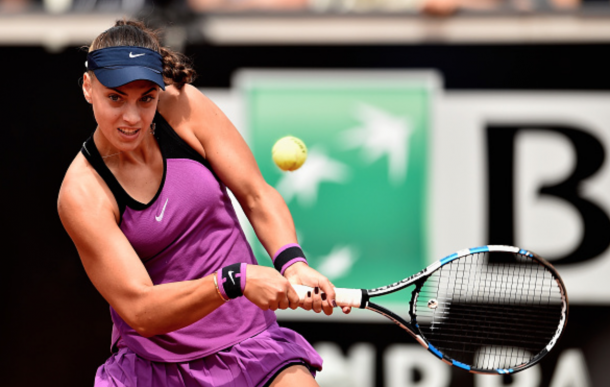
x=117, y=66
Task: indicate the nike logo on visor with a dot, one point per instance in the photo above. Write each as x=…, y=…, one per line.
x=132, y=55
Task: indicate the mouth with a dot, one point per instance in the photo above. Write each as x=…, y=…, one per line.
x=128, y=131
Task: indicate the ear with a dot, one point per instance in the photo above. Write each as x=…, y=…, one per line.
x=87, y=87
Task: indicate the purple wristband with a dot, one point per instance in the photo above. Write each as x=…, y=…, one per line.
x=287, y=256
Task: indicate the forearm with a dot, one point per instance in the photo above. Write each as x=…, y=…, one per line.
x=167, y=307
x=271, y=220
x=274, y=226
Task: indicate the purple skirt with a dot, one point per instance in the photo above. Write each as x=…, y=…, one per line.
x=251, y=363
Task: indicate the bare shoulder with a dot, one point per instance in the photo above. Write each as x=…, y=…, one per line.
x=184, y=104
x=76, y=184
x=83, y=193
x=192, y=115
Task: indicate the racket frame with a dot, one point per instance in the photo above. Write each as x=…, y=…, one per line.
x=360, y=298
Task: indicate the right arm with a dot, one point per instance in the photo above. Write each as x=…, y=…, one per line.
x=90, y=215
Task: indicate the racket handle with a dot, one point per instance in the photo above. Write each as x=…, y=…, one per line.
x=344, y=297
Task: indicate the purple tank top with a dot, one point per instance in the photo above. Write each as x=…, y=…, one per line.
x=188, y=230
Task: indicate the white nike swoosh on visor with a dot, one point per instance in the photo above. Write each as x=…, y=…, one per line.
x=160, y=216
x=132, y=55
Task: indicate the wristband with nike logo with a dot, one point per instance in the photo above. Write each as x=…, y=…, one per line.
x=287, y=256
x=232, y=280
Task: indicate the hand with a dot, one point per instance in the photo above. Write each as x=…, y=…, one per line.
x=322, y=298
x=268, y=289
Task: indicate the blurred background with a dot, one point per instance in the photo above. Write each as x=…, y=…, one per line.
x=432, y=125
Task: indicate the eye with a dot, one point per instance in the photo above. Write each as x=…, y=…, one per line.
x=114, y=97
x=148, y=98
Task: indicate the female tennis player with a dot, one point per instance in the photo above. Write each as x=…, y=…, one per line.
x=145, y=202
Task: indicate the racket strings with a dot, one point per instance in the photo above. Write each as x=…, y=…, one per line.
x=544, y=313
x=509, y=330
x=542, y=309
x=490, y=311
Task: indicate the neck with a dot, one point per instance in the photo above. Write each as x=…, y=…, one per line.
x=143, y=151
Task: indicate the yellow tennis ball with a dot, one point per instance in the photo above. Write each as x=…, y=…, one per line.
x=289, y=153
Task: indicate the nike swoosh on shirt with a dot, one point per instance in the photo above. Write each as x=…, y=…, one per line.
x=132, y=55
x=160, y=216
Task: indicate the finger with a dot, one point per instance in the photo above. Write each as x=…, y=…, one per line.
x=326, y=306
x=273, y=305
x=346, y=309
x=294, y=302
x=293, y=297
x=328, y=288
x=307, y=302
x=293, y=305
x=284, y=304
x=317, y=300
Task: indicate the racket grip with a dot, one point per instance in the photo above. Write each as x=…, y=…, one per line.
x=344, y=296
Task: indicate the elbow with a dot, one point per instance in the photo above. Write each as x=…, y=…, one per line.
x=140, y=312
x=145, y=332
x=140, y=322
x=258, y=198
x=251, y=203
x=142, y=327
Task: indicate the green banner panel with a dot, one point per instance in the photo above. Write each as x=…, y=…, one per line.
x=360, y=200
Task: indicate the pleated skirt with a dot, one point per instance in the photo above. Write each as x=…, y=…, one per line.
x=252, y=363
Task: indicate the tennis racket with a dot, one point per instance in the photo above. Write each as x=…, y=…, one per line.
x=488, y=310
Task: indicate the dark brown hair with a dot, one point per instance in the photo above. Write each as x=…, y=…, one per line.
x=177, y=69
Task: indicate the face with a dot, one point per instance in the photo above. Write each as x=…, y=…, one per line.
x=123, y=114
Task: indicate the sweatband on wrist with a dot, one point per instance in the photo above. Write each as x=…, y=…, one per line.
x=287, y=256
x=232, y=280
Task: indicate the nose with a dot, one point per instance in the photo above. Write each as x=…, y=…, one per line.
x=131, y=114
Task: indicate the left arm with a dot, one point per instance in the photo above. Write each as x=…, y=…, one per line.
x=205, y=127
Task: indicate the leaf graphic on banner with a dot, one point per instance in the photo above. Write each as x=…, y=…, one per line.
x=304, y=183
x=381, y=133
x=338, y=263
